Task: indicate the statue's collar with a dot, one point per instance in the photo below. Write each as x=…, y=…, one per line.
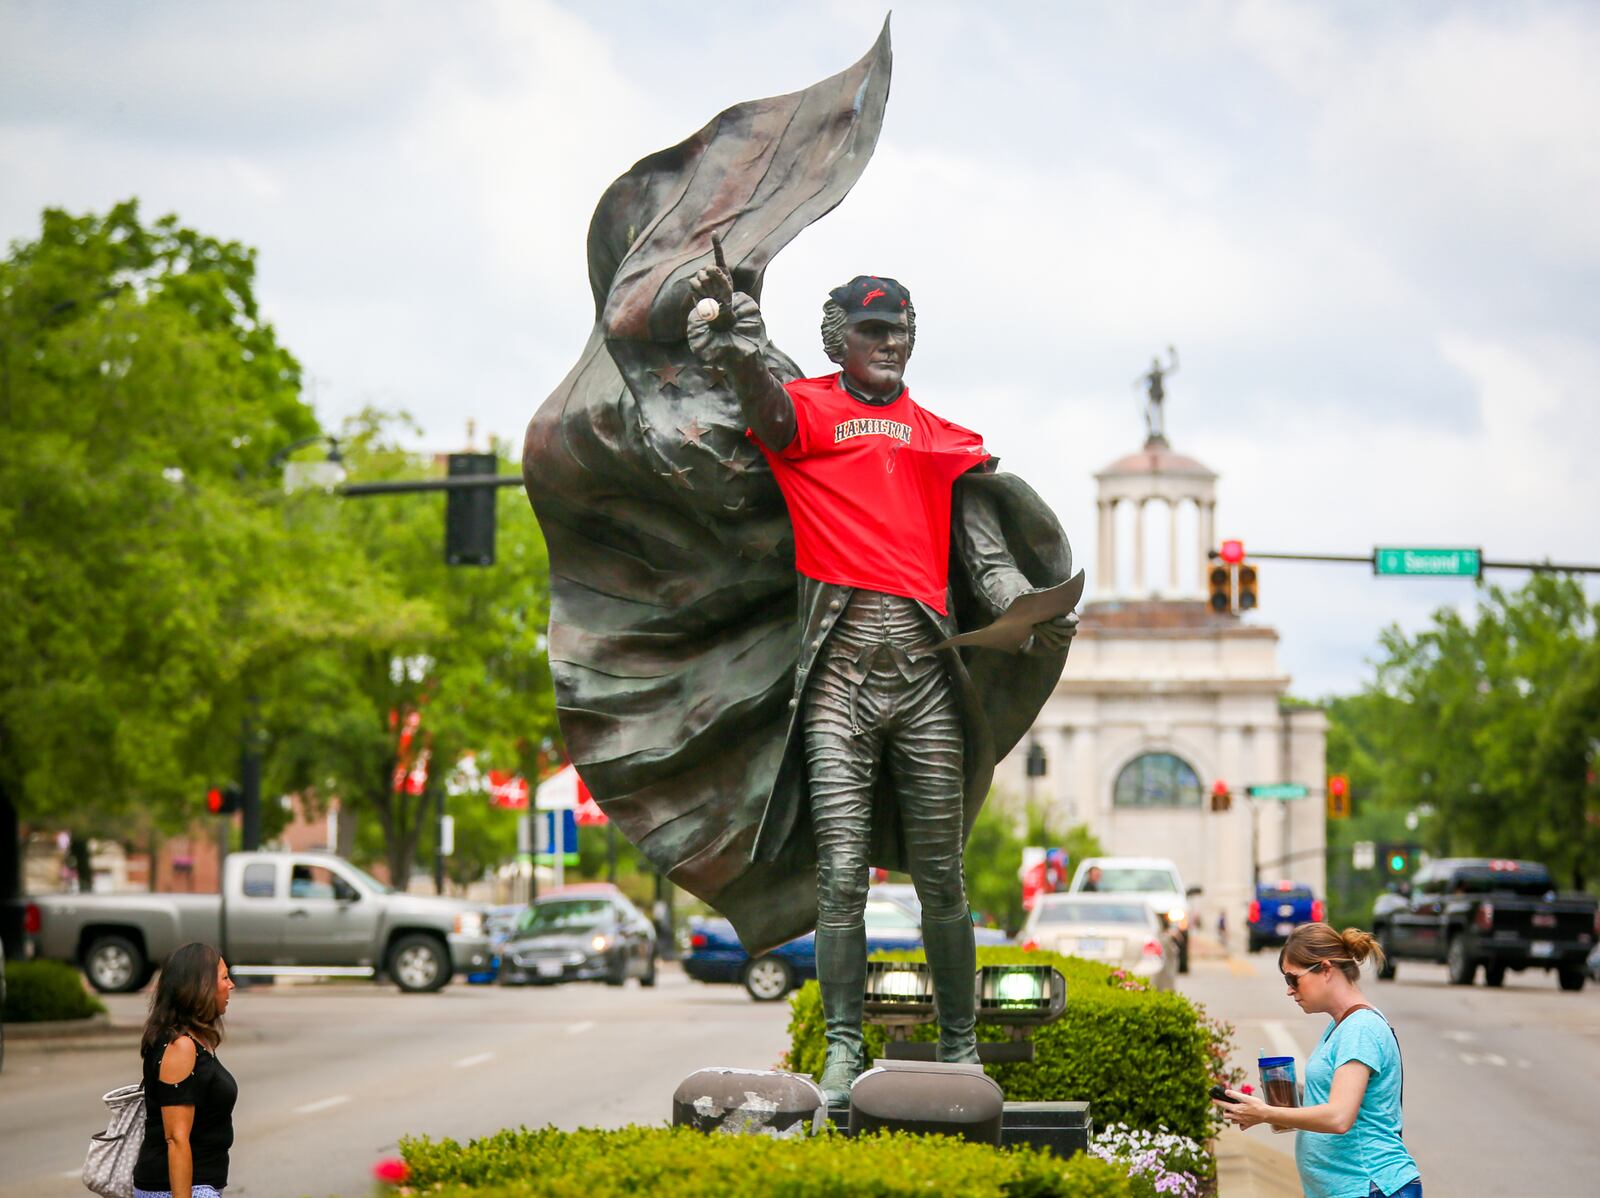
x=877, y=401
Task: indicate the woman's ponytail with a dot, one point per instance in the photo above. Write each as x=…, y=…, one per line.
x=1361, y=945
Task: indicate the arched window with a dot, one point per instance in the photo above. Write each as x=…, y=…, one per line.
x=1157, y=780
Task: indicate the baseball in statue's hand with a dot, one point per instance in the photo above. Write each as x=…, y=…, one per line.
x=707, y=310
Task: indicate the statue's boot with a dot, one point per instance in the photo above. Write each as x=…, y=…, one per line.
x=842, y=977
x=953, y=962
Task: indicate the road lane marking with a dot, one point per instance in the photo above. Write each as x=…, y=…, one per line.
x=577, y=1029
x=1282, y=1041
x=475, y=1059
x=1484, y=1058
x=322, y=1104
x=1460, y=1037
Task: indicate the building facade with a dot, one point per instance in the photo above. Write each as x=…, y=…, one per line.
x=1163, y=697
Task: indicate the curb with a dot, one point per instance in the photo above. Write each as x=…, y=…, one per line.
x=68, y=1035
x=1248, y=1168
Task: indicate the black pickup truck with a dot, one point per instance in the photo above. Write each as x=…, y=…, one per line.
x=1501, y=914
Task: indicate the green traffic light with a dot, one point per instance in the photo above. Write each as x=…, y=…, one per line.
x=1397, y=862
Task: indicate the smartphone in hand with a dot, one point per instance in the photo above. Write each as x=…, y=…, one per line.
x=1220, y=1093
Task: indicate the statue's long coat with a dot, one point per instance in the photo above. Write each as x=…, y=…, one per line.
x=675, y=632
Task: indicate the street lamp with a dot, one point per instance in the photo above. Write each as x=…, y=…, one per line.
x=325, y=475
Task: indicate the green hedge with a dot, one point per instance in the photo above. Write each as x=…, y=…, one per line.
x=1139, y=1056
x=682, y=1163
x=38, y=991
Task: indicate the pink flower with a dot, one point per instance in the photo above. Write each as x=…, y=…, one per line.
x=1247, y=1088
x=391, y=1171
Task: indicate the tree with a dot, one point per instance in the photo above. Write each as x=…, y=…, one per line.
x=142, y=395
x=1488, y=727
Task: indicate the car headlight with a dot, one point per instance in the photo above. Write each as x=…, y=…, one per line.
x=469, y=923
x=1178, y=917
x=599, y=944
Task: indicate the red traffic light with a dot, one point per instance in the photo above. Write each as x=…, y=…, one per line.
x=223, y=800
x=214, y=800
x=1232, y=552
x=1338, y=786
x=1219, y=787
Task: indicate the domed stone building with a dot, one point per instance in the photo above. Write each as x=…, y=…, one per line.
x=1163, y=697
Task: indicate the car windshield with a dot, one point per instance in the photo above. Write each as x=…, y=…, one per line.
x=1058, y=913
x=889, y=917
x=569, y=915
x=1134, y=881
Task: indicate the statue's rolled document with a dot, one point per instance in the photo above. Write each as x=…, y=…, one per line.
x=1012, y=628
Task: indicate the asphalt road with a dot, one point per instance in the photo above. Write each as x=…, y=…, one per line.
x=1500, y=1094
x=1501, y=1085
x=330, y=1076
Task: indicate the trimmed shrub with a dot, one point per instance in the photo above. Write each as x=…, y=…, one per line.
x=39, y=991
x=1141, y=1057
x=678, y=1162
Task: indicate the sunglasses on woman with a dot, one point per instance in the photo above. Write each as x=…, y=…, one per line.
x=1292, y=980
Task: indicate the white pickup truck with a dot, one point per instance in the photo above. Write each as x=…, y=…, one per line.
x=306, y=914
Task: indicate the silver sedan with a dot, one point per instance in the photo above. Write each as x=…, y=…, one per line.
x=1113, y=929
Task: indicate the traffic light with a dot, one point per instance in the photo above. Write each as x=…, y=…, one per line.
x=1395, y=859
x=1338, y=797
x=1221, y=589
x=224, y=800
x=1221, y=797
x=469, y=513
x=1247, y=587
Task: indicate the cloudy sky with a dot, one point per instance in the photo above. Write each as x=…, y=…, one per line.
x=1370, y=229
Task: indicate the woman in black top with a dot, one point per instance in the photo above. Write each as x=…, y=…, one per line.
x=188, y=1095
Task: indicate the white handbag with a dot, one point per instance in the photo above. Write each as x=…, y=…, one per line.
x=108, y=1169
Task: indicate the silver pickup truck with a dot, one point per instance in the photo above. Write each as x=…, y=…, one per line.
x=306, y=914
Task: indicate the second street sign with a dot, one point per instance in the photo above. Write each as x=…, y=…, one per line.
x=1440, y=563
x=1279, y=790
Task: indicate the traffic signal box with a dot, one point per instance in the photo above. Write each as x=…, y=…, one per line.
x=1394, y=860
x=1221, y=797
x=469, y=524
x=1221, y=589
x=1246, y=596
x=224, y=800
x=1338, y=797
x=1232, y=580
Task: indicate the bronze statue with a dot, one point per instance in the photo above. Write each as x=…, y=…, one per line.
x=764, y=735
x=1156, y=394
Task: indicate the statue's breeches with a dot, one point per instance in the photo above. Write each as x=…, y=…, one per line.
x=870, y=705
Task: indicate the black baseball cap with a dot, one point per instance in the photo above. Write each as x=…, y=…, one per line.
x=871, y=297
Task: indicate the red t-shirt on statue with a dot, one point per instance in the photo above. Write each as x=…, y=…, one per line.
x=868, y=489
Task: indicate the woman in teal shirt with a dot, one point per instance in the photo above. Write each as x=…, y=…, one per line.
x=1349, y=1144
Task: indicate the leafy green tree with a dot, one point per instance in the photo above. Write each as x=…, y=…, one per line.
x=143, y=395
x=1488, y=727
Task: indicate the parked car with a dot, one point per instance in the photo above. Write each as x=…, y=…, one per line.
x=498, y=923
x=1154, y=879
x=1497, y=913
x=1277, y=909
x=301, y=914
x=715, y=954
x=585, y=933
x=1119, y=930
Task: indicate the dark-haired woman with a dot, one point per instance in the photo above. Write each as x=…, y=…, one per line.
x=1349, y=1144
x=188, y=1095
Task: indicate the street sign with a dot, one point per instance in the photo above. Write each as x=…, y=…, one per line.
x=1447, y=563
x=1363, y=854
x=1279, y=790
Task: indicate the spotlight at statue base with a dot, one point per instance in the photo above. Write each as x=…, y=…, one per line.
x=750, y=1102
x=928, y=1097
